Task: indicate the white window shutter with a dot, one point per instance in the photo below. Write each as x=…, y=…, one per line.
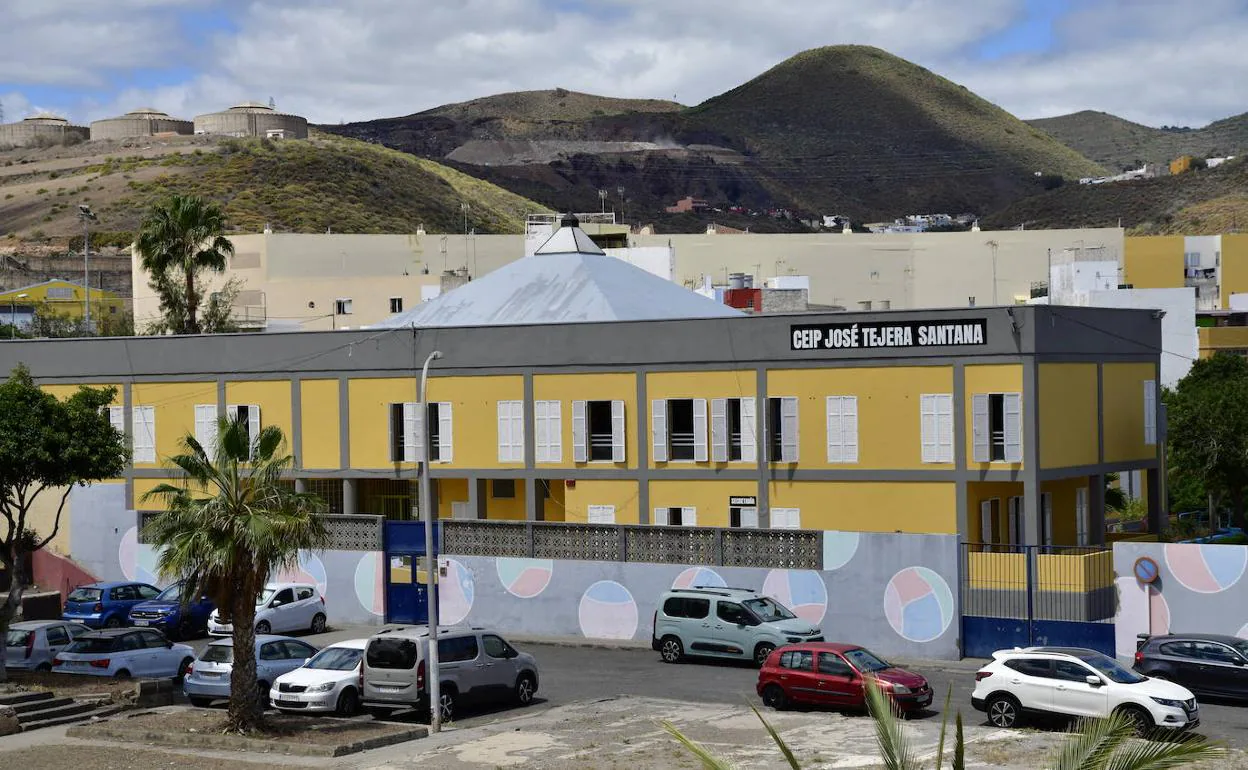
x=504, y=431
x=1046, y=513
x=944, y=403
x=580, y=451
x=517, y=431
x=1150, y=412
x=689, y=517
x=206, y=427
x=660, y=516
x=749, y=430
x=253, y=421
x=446, y=435
x=511, y=431
x=541, y=432
x=699, y=430
x=719, y=430
x=786, y=518
x=413, y=432
x=985, y=521
x=554, y=431
x=117, y=418
x=1013, y=406
x=144, y=418
x=658, y=430
x=617, y=432
x=749, y=518
x=836, y=452
x=927, y=427
x=981, y=441
x=789, y=438
x=849, y=428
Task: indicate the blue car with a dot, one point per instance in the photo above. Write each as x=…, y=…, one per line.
x=167, y=613
x=106, y=605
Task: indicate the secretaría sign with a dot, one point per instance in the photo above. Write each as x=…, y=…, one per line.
x=889, y=334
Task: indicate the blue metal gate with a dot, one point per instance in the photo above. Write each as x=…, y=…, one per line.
x=1022, y=596
x=407, y=591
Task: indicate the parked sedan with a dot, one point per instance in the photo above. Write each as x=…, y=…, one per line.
x=32, y=644
x=1206, y=664
x=830, y=674
x=209, y=677
x=123, y=653
x=169, y=613
x=106, y=605
x=330, y=681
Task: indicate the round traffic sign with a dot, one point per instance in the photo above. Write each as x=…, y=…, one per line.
x=1146, y=570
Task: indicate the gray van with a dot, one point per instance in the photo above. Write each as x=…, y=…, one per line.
x=474, y=664
x=725, y=623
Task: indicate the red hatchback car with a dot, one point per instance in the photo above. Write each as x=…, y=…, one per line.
x=828, y=674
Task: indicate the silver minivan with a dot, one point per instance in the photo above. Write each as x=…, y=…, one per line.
x=474, y=664
x=725, y=623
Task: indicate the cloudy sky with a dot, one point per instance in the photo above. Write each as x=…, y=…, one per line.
x=1172, y=62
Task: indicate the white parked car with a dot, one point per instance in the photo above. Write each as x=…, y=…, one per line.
x=142, y=653
x=330, y=681
x=281, y=608
x=1076, y=682
x=32, y=644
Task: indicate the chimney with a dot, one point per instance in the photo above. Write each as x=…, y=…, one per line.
x=453, y=279
x=736, y=281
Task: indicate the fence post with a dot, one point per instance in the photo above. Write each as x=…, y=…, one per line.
x=1031, y=593
x=622, y=537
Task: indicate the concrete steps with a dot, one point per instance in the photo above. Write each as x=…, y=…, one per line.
x=44, y=709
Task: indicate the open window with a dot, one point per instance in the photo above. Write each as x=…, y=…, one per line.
x=998, y=427
x=408, y=423
x=734, y=430
x=678, y=427
x=249, y=416
x=676, y=517
x=598, y=431
x=782, y=429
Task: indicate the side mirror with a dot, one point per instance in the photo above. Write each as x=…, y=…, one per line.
x=1093, y=680
x=168, y=645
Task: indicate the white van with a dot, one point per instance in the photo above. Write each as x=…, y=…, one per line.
x=474, y=664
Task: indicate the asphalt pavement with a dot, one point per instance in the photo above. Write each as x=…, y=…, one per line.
x=572, y=672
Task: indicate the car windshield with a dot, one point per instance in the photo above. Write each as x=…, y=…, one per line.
x=1241, y=647
x=1112, y=669
x=335, y=659
x=768, y=610
x=865, y=661
x=15, y=638
x=92, y=646
x=84, y=595
x=171, y=594
x=218, y=653
x=264, y=597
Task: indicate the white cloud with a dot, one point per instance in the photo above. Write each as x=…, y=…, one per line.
x=359, y=59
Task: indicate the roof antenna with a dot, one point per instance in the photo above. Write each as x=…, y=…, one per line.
x=272, y=103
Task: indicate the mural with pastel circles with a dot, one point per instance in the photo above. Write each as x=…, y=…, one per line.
x=699, y=577
x=456, y=592
x=839, y=548
x=370, y=583
x=918, y=604
x=138, y=561
x=802, y=591
x=1206, y=569
x=607, y=610
x=524, y=578
x=308, y=569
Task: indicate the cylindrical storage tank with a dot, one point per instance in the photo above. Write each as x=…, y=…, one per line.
x=736, y=281
x=141, y=122
x=42, y=129
x=252, y=119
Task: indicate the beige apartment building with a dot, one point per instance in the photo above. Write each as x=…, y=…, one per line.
x=317, y=282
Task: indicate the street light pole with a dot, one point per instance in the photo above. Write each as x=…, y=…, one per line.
x=87, y=216
x=431, y=569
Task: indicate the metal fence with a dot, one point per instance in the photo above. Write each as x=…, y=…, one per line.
x=1064, y=583
x=770, y=548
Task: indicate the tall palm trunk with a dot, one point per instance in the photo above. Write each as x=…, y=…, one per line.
x=192, y=303
x=246, y=708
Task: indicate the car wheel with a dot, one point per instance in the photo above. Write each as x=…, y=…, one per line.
x=348, y=703
x=671, y=650
x=263, y=627
x=122, y=674
x=761, y=652
x=447, y=698
x=526, y=687
x=113, y=622
x=199, y=701
x=1140, y=720
x=379, y=713
x=1003, y=711
x=318, y=624
x=774, y=697
x=185, y=630
x=182, y=669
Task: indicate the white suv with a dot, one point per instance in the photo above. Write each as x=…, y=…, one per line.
x=1075, y=682
x=281, y=608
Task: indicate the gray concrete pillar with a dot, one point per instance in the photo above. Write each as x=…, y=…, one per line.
x=534, y=502
x=349, y=497
x=478, y=493
x=1033, y=523
x=301, y=486
x=1156, y=511
x=1096, y=510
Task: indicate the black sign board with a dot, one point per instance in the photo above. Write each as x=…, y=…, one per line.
x=889, y=334
x=742, y=502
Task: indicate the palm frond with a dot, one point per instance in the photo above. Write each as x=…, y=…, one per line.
x=959, y=745
x=1161, y=754
x=775, y=736
x=895, y=749
x=709, y=760
x=944, y=726
x=1093, y=742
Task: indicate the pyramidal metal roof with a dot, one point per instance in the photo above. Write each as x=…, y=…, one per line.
x=567, y=280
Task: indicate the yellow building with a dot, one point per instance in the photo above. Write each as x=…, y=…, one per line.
x=1216, y=266
x=63, y=298
x=1181, y=164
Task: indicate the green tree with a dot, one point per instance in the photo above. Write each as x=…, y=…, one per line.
x=178, y=241
x=1208, y=427
x=227, y=526
x=46, y=445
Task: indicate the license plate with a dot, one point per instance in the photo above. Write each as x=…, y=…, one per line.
x=389, y=689
x=77, y=663
x=211, y=674
x=142, y=622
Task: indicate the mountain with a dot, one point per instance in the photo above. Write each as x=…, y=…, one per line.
x=1207, y=201
x=326, y=182
x=845, y=129
x=1120, y=144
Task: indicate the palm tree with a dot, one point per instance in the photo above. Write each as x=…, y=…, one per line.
x=229, y=524
x=180, y=239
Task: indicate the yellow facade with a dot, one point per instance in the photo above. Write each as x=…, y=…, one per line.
x=1234, y=267
x=1154, y=261
x=1123, y=404
x=319, y=424
x=888, y=406
x=1181, y=164
x=869, y=506
x=62, y=392
x=994, y=378
x=1061, y=493
x=566, y=388
x=273, y=398
x=1068, y=390
x=65, y=299
x=1229, y=339
x=709, y=498
x=624, y=495
x=174, y=408
x=708, y=385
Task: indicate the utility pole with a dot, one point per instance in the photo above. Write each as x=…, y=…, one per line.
x=464, y=207
x=602, y=198
x=431, y=563
x=993, y=245
x=623, y=215
x=87, y=216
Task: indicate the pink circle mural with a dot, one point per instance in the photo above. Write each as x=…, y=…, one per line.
x=1206, y=569
x=456, y=591
x=699, y=576
x=607, y=611
x=1158, y=612
x=370, y=585
x=136, y=560
x=802, y=591
x=524, y=578
x=310, y=569
x=918, y=604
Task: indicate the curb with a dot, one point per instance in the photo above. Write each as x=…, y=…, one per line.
x=239, y=743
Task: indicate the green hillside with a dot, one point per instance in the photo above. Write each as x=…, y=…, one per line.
x=553, y=106
x=1120, y=144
